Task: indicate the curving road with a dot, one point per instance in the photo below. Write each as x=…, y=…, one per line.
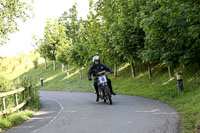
x=67, y=112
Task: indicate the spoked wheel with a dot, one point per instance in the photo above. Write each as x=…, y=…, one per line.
x=109, y=95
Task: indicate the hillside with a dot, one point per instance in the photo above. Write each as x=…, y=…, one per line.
x=160, y=87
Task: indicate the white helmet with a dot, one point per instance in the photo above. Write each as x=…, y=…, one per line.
x=96, y=58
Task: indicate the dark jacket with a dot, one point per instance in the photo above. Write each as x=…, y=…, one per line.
x=94, y=69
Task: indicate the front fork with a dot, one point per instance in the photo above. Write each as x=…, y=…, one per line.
x=102, y=90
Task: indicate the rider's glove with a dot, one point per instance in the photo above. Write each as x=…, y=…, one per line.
x=90, y=79
x=111, y=72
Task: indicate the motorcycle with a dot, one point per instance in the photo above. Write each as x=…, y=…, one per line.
x=104, y=90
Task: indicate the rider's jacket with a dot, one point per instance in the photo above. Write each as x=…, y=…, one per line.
x=95, y=68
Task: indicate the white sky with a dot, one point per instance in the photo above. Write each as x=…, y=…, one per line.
x=20, y=42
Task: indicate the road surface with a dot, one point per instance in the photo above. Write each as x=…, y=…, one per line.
x=74, y=112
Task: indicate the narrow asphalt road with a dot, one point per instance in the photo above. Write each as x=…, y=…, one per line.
x=74, y=112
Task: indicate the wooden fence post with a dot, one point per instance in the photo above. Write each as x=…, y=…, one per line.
x=16, y=100
x=4, y=110
x=3, y=104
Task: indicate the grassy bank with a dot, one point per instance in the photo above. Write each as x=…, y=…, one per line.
x=10, y=69
x=160, y=87
x=14, y=119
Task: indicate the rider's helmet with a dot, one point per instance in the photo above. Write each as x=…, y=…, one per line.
x=96, y=58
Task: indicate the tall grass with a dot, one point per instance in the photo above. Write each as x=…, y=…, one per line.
x=15, y=119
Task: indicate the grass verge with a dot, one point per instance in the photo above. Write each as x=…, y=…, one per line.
x=160, y=87
x=14, y=119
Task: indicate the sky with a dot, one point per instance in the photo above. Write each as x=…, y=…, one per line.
x=20, y=42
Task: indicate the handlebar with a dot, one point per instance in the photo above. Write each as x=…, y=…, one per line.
x=99, y=73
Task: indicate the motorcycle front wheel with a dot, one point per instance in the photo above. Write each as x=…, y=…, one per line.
x=108, y=95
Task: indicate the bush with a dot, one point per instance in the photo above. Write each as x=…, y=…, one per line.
x=14, y=119
x=4, y=84
x=35, y=63
x=34, y=103
x=25, y=81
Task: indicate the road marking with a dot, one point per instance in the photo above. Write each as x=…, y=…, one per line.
x=148, y=111
x=61, y=109
x=166, y=113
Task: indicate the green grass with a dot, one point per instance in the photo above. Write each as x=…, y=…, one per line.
x=14, y=119
x=160, y=87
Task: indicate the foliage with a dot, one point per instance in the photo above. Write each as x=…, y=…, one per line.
x=11, y=13
x=76, y=51
x=4, y=84
x=35, y=63
x=24, y=81
x=54, y=36
x=15, y=119
x=171, y=28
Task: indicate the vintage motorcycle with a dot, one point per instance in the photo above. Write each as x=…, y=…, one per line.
x=104, y=90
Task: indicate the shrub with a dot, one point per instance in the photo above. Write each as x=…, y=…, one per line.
x=25, y=81
x=4, y=84
x=35, y=63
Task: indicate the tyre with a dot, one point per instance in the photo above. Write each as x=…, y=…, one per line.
x=108, y=95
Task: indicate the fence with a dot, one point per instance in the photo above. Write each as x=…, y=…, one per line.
x=18, y=106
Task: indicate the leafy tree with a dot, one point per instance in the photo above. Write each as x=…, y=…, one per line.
x=43, y=51
x=122, y=28
x=11, y=13
x=70, y=21
x=54, y=36
x=75, y=32
x=41, y=48
x=172, y=27
x=78, y=51
x=63, y=55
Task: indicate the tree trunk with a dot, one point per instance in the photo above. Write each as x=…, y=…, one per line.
x=115, y=70
x=45, y=63
x=133, y=69
x=54, y=65
x=149, y=70
x=80, y=73
x=171, y=73
x=63, y=66
x=67, y=71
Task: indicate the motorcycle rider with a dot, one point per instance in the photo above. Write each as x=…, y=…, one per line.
x=94, y=69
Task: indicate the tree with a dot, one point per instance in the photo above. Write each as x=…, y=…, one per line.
x=43, y=50
x=63, y=55
x=70, y=21
x=75, y=32
x=173, y=30
x=54, y=36
x=78, y=51
x=12, y=12
x=122, y=28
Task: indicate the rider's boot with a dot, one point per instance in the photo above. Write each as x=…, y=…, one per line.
x=112, y=92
